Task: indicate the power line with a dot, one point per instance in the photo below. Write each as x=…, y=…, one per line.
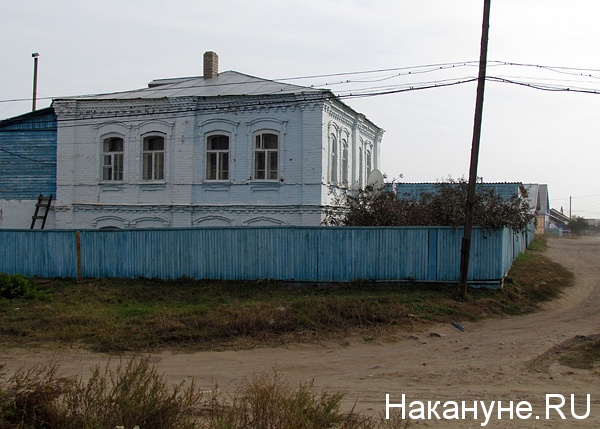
x=398, y=73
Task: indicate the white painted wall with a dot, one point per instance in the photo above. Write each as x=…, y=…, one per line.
x=16, y=214
x=185, y=198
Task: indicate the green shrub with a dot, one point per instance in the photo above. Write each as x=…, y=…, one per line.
x=18, y=286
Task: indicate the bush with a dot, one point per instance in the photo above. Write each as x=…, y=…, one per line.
x=136, y=396
x=132, y=395
x=268, y=402
x=444, y=207
x=18, y=286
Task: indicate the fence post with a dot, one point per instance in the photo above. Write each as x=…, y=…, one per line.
x=78, y=246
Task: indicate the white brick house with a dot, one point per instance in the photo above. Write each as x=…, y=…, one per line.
x=222, y=149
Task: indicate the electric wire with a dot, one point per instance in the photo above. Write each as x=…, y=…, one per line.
x=399, y=72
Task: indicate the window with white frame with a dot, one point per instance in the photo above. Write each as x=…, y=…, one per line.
x=153, y=158
x=217, y=157
x=369, y=163
x=112, y=159
x=344, y=163
x=266, y=156
x=360, y=168
x=333, y=173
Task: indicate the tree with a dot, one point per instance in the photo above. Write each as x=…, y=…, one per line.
x=578, y=225
x=443, y=207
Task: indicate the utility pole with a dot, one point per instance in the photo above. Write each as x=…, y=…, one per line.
x=35, y=56
x=570, y=207
x=465, y=251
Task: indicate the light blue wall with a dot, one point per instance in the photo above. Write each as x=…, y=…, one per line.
x=299, y=254
x=28, y=156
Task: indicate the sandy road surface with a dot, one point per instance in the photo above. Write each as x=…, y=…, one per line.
x=495, y=360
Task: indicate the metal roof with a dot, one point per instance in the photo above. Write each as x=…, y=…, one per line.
x=229, y=83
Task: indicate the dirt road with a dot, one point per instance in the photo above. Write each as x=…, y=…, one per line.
x=510, y=359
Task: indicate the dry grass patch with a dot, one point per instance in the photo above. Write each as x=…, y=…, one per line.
x=143, y=315
x=134, y=395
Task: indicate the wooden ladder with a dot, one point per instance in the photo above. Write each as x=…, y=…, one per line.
x=44, y=204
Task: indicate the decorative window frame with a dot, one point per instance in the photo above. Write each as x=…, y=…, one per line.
x=345, y=162
x=103, y=132
x=369, y=161
x=267, y=126
x=361, y=165
x=333, y=159
x=113, y=155
x=213, y=127
x=155, y=128
x=155, y=155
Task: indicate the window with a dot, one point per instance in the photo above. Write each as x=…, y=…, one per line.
x=112, y=158
x=334, y=161
x=360, y=168
x=217, y=157
x=266, y=156
x=344, y=163
x=369, y=166
x=153, y=155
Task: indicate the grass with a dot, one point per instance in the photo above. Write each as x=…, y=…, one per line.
x=143, y=315
x=133, y=395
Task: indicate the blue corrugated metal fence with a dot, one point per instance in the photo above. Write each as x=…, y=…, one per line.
x=302, y=254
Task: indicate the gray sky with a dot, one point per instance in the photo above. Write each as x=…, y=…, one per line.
x=528, y=135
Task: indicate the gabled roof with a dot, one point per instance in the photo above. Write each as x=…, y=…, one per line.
x=229, y=83
x=559, y=217
x=538, y=197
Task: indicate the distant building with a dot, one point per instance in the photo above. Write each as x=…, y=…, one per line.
x=539, y=201
x=558, y=222
x=537, y=196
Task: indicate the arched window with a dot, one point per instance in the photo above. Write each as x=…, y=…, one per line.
x=344, y=163
x=266, y=156
x=217, y=157
x=360, y=168
x=369, y=163
x=333, y=172
x=112, y=159
x=153, y=158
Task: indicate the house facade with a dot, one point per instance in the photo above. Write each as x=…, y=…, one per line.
x=224, y=149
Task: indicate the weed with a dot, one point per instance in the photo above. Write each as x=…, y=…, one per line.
x=111, y=315
x=134, y=395
x=18, y=286
x=268, y=402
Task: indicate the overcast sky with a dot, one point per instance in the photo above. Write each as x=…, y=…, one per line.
x=528, y=135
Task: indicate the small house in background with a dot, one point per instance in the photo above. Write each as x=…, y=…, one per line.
x=537, y=196
x=539, y=201
x=415, y=190
x=221, y=149
x=558, y=222
x=27, y=167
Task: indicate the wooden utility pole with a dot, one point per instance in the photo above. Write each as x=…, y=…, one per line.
x=465, y=251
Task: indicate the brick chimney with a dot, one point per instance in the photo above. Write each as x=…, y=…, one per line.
x=211, y=65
